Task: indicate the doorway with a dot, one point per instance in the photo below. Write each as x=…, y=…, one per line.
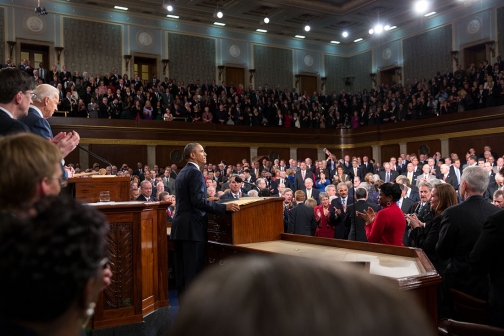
x=474, y=54
x=309, y=84
x=36, y=54
x=144, y=67
x=235, y=76
x=388, y=76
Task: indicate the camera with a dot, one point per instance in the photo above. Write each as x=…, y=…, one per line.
x=40, y=11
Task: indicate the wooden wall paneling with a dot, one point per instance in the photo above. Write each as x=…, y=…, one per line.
x=303, y=153
x=232, y=155
x=163, y=156
x=283, y=153
x=433, y=145
x=389, y=151
x=359, y=152
x=73, y=157
x=119, y=154
x=462, y=145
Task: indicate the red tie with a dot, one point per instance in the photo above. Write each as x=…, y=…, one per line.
x=444, y=178
x=303, y=173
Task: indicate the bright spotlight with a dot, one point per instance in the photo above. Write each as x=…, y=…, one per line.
x=386, y=28
x=170, y=8
x=266, y=20
x=307, y=28
x=220, y=14
x=371, y=31
x=421, y=6
x=344, y=34
x=378, y=28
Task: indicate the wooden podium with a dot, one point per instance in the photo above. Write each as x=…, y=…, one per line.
x=87, y=189
x=137, y=252
x=258, y=228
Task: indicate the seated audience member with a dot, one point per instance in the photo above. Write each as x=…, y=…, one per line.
x=39, y=164
x=252, y=193
x=16, y=90
x=343, y=301
x=52, y=267
x=486, y=258
x=235, y=191
x=498, y=199
x=134, y=194
x=460, y=228
x=301, y=218
x=146, y=192
x=386, y=226
x=212, y=196
x=164, y=197
x=322, y=216
x=264, y=192
x=353, y=224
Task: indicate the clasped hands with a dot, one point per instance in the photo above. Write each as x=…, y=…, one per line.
x=368, y=217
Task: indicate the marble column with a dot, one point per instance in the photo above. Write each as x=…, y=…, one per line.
x=253, y=152
x=321, y=154
x=403, y=148
x=377, y=153
x=445, y=147
x=293, y=153
x=151, y=155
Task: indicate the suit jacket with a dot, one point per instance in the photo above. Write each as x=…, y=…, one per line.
x=351, y=221
x=314, y=194
x=302, y=220
x=393, y=175
x=170, y=184
x=190, y=222
x=229, y=196
x=338, y=221
x=487, y=257
x=142, y=198
x=426, y=239
x=367, y=168
x=37, y=124
x=299, y=181
x=451, y=179
x=414, y=195
x=274, y=184
x=461, y=226
x=360, y=173
x=406, y=208
x=11, y=126
x=420, y=178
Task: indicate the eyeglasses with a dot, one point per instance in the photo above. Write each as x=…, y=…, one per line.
x=32, y=95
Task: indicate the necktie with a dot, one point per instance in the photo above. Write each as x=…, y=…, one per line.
x=410, y=178
x=444, y=178
x=387, y=178
x=308, y=194
x=457, y=172
x=281, y=181
x=343, y=201
x=303, y=174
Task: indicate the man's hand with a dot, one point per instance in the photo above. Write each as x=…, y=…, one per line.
x=107, y=274
x=66, y=142
x=232, y=207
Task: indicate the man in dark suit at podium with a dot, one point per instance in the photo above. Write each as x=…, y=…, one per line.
x=189, y=227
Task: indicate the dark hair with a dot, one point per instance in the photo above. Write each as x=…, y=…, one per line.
x=47, y=260
x=360, y=193
x=264, y=193
x=391, y=189
x=344, y=301
x=12, y=81
x=188, y=149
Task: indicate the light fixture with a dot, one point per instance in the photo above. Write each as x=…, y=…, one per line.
x=335, y=42
x=169, y=8
x=371, y=31
x=378, y=29
x=299, y=36
x=172, y=16
x=121, y=8
x=421, y=6
x=386, y=27
x=266, y=19
x=261, y=30
x=429, y=14
x=358, y=40
x=344, y=34
x=307, y=28
x=219, y=24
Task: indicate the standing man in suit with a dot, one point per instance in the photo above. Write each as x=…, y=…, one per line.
x=447, y=177
x=388, y=175
x=354, y=223
x=338, y=211
x=425, y=176
x=309, y=191
x=461, y=226
x=356, y=171
x=168, y=181
x=301, y=217
x=487, y=257
x=189, y=228
x=281, y=179
x=45, y=102
x=411, y=174
x=301, y=175
x=16, y=90
x=410, y=193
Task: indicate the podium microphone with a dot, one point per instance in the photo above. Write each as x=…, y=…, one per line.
x=96, y=156
x=239, y=180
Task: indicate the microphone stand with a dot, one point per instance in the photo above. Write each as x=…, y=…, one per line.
x=96, y=156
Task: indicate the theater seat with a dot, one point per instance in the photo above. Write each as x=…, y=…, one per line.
x=468, y=308
x=456, y=328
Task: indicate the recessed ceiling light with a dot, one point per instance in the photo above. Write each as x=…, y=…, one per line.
x=421, y=6
x=262, y=30
x=378, y=28
x=172, y=16
x=371, y=31
x=307, y=28
x=169, y=8
x=358, y=40
x=219, y=24
x=429, y=14
x=121, y=8
x=220, y=14
x=335, y=42
x=299, y=36
x=266, y=20
x=345, y=34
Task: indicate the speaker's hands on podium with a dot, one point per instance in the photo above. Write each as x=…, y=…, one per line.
x=232, y=207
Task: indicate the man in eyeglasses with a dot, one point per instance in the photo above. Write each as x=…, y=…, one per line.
x=16, y=90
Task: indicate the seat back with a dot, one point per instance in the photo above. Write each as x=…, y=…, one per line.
x=456, y=328
x=468, y=308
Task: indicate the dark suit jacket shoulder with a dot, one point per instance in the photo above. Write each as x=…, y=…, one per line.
x=190, y=221
x=11, y=126
x=302, y=220
x=229, y=196
x=37, y=124
x=351, y=220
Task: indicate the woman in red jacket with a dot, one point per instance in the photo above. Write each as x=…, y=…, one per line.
x=387, y=226
x=321, y=212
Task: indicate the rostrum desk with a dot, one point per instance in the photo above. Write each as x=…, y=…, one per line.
x=257, y=228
